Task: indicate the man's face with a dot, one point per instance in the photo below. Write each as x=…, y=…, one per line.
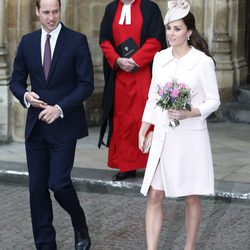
x=49, y=14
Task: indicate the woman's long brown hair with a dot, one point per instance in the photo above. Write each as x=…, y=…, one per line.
x=196, y=39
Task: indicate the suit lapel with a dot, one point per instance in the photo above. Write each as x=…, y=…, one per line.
x=37, y=54
x=57, y=51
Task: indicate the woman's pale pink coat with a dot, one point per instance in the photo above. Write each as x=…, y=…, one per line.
x=185, y=152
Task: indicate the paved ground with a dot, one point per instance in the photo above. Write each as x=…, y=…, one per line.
x=115, y=210
x=230, y=146
x=116, y=222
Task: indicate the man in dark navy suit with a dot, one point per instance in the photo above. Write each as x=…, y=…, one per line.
x=58, y=63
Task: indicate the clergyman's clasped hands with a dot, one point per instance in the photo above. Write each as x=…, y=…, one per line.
x=126, y=64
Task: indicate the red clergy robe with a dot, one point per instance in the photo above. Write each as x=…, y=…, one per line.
x=130, y=92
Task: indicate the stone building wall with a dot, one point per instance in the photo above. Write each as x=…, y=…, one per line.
x=222, y=22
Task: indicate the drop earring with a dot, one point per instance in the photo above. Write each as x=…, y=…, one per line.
x=188, y=38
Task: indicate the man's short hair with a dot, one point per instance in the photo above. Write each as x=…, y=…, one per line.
x=38, y=3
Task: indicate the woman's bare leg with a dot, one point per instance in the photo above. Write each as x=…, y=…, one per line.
x=154, y=217
x=193, y=218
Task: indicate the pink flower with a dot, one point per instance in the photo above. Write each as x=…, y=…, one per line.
x=161, y=92
x=169, y=84
x=182, y=85
x=175, y=93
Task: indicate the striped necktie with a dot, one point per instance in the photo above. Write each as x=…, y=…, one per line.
x=47, y=56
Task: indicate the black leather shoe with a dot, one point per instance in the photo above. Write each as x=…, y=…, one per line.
x=124, y=175
x=82, y=242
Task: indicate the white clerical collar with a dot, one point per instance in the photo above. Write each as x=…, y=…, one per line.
x=126, y=14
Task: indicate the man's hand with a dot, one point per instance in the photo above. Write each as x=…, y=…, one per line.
x=34, y=100
x=49, y=114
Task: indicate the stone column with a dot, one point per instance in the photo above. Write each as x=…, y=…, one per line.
x=24, y=20
x=198, y=8
x=66, y=12
x=88, y=15
x=238, y=31
x=209, y=22
x=248, y=40
x=4, y=79
x=222, y=47
x=25, y=10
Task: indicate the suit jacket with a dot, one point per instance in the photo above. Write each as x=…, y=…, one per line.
x=69, y=83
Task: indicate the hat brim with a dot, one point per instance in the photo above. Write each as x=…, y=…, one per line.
x=175, y=14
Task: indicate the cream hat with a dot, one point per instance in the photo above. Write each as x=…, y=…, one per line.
x=177, y=9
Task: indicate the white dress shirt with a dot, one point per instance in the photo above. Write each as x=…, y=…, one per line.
x=54, y=35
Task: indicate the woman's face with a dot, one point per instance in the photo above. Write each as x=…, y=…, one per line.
x=177, y=33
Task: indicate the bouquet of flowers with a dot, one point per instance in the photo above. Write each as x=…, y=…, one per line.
x=174, y=95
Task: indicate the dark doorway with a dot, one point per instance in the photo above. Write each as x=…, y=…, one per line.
x=248, y=39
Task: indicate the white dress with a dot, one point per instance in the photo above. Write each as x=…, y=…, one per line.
x=180, y=160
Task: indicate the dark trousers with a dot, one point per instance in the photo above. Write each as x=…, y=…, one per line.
x=49, y=165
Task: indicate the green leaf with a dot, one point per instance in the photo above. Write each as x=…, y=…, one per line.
x=188, y=107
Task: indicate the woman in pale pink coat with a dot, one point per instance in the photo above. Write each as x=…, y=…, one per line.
x=180, y=160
